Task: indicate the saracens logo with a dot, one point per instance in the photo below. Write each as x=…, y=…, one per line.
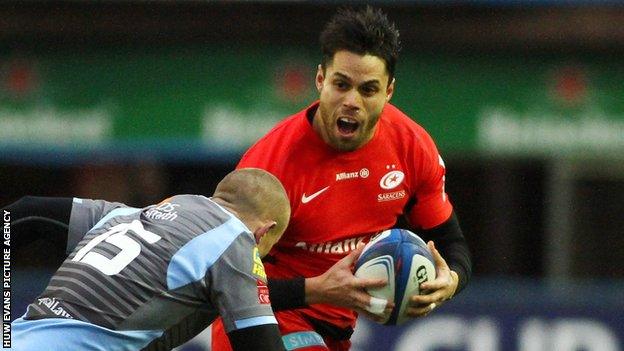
x=391, y=180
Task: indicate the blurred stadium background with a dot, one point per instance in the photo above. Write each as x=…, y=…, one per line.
x=136, y=100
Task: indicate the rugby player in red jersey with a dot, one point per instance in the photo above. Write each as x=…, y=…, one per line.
x=352, y=165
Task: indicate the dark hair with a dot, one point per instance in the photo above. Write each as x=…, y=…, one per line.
x=367, y=31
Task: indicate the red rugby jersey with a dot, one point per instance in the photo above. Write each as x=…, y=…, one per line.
x=339, y=199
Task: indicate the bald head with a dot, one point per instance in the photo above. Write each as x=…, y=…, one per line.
x=258, y=199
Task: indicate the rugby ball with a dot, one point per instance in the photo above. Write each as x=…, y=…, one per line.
x=401, y=257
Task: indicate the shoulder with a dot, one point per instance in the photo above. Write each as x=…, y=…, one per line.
x=199, y=210
x=397, y=125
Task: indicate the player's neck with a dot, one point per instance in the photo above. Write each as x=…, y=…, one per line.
x=250, y=223
x=226, y=204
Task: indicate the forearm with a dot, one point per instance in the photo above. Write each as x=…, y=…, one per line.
x=34, y=217
x=460, y=264
x=287, y=294
x=313, y=291
x=449, y=239
x=259, y=338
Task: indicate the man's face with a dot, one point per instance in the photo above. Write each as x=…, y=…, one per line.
x=353, y=91
x=266, y=242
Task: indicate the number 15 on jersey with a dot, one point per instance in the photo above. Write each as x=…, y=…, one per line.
x=130, y=248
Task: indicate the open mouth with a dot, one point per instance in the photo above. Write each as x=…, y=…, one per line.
x=347, y=126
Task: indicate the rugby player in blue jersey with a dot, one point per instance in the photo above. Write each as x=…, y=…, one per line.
x=152, y=278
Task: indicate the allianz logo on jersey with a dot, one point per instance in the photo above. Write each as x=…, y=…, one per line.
x=332, y=248
x=362, y=173
x=164, y=211
x=53, y=305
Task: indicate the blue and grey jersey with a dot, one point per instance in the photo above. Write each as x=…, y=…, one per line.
x=149, y=278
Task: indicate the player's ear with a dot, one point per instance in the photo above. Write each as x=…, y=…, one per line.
x=265, y=243
x=263, y=229
x=320, y=77
x=390, y=90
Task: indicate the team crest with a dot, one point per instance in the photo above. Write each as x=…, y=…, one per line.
x=391, y=179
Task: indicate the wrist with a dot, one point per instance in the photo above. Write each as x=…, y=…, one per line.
x=454, y=284
x=287, y=293
x=311, y=289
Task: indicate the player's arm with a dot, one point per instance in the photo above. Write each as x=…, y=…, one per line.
x=264, y=337
x=337, y=286
x=432, y=216
x=450, y=242
x=236, y=285
x=287, y=294
x=62, y=221
x=35, y=217
x=451, y=277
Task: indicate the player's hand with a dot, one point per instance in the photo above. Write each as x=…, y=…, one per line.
x=339, y=287
x=436, y=291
